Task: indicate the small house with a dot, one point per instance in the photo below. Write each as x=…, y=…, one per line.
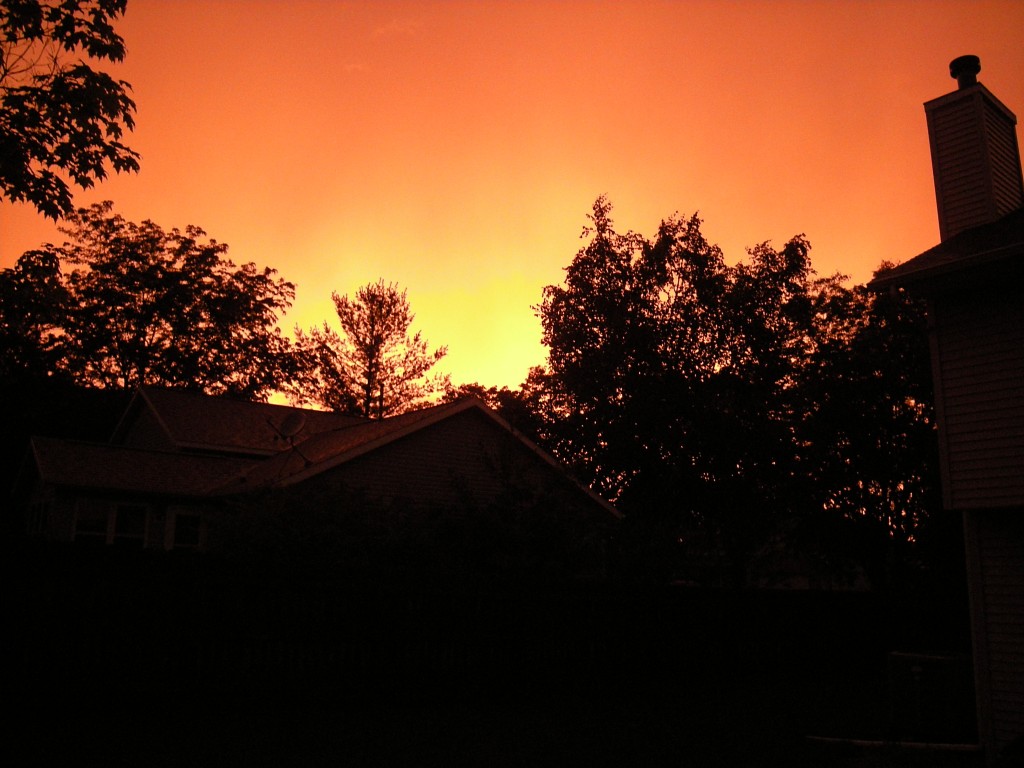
x=178, y=459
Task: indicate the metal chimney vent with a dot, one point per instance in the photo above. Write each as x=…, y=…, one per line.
x=964, y=70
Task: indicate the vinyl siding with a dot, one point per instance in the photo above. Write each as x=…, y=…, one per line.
x=975, y=160
x=999, y=620
x=981, y=364
x=1004, y=160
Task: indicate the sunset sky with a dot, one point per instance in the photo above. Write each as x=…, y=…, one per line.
x=456, y=147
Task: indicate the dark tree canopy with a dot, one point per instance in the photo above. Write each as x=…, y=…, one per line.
x=33, y=304
x=375, y=367
x=870, y=426
x=635, y=330
x=141, y=305
x=734, y=405
x=60, y=118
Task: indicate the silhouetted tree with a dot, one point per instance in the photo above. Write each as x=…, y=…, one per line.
x=703, y=398
x=59, y=117
x=375, y=368
x=146, y=306
x=33, y=305
x=634, y=330
x=869, y=437
x=513, y=405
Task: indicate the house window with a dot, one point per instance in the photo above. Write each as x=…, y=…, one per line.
x=92, y=521
x=186, y=530
x=130, y=526
x=102, y=522
x=38, y=518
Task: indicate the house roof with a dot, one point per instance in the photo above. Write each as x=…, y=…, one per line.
x=225, y=446
x=326, y=450
x=99, y=466
x=195, y=421
x=329, y=449
x=978, y=247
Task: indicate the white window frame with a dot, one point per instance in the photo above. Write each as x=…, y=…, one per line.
x=112, y=510
x=117, y=534
x=92, y=509
x=172, y=529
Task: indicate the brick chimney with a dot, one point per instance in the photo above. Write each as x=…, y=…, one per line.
x=975, y=156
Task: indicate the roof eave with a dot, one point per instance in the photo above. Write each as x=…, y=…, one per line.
x=906, y=275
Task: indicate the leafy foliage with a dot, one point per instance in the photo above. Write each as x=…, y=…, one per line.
x=517, y=406
x=59, y=117
x=375, y=368
x=870, y=426
x=146, y=306
x=725, y=405
x=33, y=304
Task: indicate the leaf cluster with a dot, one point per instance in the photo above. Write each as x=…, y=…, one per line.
x=142, y=305
x=59, y=117
x=33, y=299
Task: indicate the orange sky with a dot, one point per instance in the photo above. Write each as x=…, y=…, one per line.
x=456, y=147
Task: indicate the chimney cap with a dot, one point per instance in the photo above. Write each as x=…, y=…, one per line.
x=965, y=69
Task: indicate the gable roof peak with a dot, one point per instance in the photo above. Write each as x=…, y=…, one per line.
x=197, y=421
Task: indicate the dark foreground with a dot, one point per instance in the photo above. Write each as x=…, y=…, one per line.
x=117, y=661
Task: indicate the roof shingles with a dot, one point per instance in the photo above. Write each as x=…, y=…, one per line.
x=337, y=445
x=115, y=468
x=200, y=422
